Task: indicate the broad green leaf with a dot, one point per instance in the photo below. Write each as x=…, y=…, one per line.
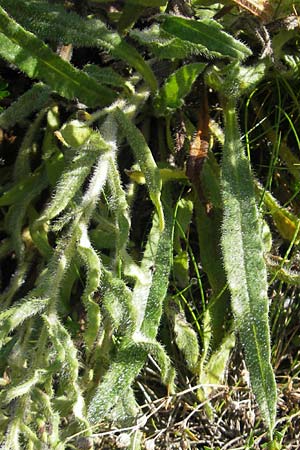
x=74, y=133
x=124, y=368
x=129, y=54
x=244, y=262
x=37, y=60
x=207, y=33
x=177, y=86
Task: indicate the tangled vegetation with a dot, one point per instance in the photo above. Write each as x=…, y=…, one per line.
x=149, y=227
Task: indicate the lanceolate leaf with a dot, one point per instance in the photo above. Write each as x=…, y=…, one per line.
x=245, y=266
x=33, y=100
x=78, y=169
x=129, y=54
x=133, y=352
x=164, y=45
x=37, y=60
x=41, y=19
x=13, y=317
x=105, y=75
x=207, y=33
x=93, y=269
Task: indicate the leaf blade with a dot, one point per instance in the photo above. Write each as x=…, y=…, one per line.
x=207, y=33
x=245, y=266
x=176, y=87
x=37, y=60
x=145, y=159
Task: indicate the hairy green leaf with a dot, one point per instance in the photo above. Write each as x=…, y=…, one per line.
x=105, y=75
x=133, y=351
x=185, y=336
x=33, y=100
x=41, y=18
x=67, y=356
x=207, y=33
x=78, y=169
x=93, y=269
x=209, y=235
x=13, y=317
x=145, y=159
x=165, y=46
x=245, y=266
x=37, y=60
x=26, y=386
